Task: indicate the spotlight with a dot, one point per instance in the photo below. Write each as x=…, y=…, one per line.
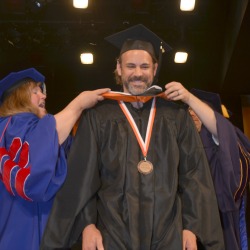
x=187, y=5
x=80, y=4
x=87, y=58
x=181, y=57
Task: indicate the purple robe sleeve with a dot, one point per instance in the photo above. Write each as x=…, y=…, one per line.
x=227, y=162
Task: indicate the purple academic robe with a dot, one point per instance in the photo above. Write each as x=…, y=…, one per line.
x=229, y=168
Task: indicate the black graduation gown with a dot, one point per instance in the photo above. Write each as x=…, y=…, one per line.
x=230, y=176
x=135, y=211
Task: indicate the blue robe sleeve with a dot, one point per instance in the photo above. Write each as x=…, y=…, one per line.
x=34, y=164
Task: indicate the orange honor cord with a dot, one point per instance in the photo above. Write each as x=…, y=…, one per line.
x=119, y=96
x=144, y=145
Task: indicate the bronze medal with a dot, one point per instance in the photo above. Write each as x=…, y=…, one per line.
x=145, y=167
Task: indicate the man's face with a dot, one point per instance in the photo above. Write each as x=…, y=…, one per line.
x=137, y=71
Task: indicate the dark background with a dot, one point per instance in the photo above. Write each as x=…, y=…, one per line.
x=50, y=38
x=216, y=35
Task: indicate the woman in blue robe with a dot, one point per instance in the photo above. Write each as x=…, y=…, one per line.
x=32, y=155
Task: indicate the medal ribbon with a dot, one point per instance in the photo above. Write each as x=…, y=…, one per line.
x=129, y=98
x=144, y=145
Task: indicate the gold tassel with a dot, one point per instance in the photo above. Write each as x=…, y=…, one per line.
x=224, y=111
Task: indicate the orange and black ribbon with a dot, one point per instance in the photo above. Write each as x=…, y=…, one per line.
x=129, y=98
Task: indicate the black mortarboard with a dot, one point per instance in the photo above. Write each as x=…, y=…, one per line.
x=213, y=99
x=139, y=37
x=13, y=79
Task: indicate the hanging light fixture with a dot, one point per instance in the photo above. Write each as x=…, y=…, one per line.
x=87, y=58
x=180, y=57
x=80, y=4
x=187, y=5
x=181, y=46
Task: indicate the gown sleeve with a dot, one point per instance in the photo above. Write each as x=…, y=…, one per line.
x=195, y=183
x=33, y=165
x=228, y=162
x=67, y=220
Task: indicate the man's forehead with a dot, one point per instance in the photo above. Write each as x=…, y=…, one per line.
x=139, y=56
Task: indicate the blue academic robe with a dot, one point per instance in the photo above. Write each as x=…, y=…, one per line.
x=32, y=169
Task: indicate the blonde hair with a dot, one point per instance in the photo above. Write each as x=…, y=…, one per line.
x=19, y=100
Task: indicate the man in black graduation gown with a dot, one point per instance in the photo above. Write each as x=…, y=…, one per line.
x=138, y=176
x=228, y=153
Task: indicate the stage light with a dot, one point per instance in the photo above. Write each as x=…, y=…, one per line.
x=87, y=58
x=187, y=5
x=80, y=4
x=180, y=57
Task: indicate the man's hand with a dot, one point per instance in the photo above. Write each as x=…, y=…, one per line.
x=189, y=240
x=91, y=238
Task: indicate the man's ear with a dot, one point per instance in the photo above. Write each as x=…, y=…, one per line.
x=155, y=68
x=118, y=68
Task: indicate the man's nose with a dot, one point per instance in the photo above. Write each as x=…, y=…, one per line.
x=138, y=71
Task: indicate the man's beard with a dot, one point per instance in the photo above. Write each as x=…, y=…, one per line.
x=136, y=90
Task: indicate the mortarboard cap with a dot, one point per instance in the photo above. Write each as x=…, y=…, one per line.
x=213, y=99
x=13, y=80
x=139, y=37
